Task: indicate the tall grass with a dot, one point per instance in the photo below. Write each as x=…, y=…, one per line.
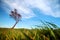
x=48, y=31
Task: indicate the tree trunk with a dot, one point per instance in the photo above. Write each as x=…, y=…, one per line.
x=15, y=24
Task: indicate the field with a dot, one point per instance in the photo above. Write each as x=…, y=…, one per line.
x=45, y=32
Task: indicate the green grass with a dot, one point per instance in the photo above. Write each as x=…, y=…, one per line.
x=29, y=34
x=45, y=32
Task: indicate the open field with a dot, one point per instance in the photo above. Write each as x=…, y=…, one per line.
x=45, y=32
x=29, y=34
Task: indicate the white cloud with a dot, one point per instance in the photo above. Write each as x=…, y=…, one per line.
x=21, y=7
x=49, y=7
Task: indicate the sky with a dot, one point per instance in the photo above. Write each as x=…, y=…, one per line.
x=32, y=12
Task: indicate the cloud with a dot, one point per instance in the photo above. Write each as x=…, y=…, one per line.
x=48, y=7
x=21, y=7
x=55, y=7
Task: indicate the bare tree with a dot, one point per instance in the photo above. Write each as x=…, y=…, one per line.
x=15, y=16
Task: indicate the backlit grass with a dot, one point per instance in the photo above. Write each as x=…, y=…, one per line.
x=45, y=32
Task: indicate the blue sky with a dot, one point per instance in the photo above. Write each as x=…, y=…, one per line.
x=32, y=12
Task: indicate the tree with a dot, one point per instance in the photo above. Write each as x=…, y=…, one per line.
x=15, y=16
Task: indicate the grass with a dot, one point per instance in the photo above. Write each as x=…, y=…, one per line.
x=45, y=32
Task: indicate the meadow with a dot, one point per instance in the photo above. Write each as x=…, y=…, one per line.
x=48, y=31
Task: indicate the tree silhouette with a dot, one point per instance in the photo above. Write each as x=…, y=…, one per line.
x=15, y=16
